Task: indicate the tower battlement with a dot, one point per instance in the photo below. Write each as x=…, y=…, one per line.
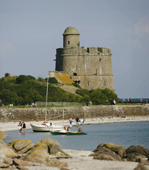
x=84, y=51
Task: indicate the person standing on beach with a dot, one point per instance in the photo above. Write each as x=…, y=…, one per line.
x=77, y=121
x=84, y=116
x=20, y=126
x=70, y=120
x=24, y=127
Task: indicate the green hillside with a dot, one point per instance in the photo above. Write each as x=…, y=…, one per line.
x=27, y=89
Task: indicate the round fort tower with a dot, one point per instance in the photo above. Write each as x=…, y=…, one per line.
x=71, y=37
x=89, y=67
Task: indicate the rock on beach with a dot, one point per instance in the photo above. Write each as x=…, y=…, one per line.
x=3, y=135
x=21, y=152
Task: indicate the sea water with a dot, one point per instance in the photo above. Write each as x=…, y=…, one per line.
x=126, y=134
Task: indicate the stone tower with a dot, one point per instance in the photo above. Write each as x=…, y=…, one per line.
x=91, y=68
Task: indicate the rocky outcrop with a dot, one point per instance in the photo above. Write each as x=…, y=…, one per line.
x=2, y=135
x=137, y=153
x=141, y=167
x=53, y=145
x=7, y=151
x=21, y=152
x=20, y=162
x=36, y=155
x=109, y=151
x=105, y=154
x=115, y=152
x=21, y=146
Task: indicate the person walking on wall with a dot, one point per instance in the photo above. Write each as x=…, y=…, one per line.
x=114, y=102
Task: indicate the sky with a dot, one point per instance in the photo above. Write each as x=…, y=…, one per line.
x=31, y=31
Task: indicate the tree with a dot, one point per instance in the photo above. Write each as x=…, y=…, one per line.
x=22, y=78
x=7, y=74
x=8, y=97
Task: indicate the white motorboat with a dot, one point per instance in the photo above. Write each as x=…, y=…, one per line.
x=45, y=127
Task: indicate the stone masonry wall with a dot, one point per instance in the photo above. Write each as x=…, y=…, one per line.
x=91, y=67
x=55, y=113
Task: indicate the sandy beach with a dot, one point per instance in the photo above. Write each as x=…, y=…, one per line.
x=7, y=126
x=80, y=159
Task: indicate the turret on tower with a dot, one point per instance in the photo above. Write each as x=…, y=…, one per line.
x=71, y=37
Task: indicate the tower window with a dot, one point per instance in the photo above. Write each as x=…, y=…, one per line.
x=68, y=42
x=88, y=83
x=75, y=74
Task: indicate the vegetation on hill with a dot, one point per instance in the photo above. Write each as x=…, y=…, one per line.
x=27, y=89
x=98, y=96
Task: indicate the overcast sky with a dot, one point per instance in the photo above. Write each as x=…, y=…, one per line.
x=31, y=30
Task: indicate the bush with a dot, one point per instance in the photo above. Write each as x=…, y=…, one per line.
x=86, y=98
x=53, y=80
x=41, y=79
x=22, y=78
x=80, y=92
x=76, y=85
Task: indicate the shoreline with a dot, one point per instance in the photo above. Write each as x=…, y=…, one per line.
x=8, y=126
x=80, y=158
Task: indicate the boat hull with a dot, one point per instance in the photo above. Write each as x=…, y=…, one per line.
x=40, y=128
x=76, y=133
x=58, y=133
x=67, y=133
x=45, y=127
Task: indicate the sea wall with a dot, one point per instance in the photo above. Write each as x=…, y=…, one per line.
x=55, y=113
